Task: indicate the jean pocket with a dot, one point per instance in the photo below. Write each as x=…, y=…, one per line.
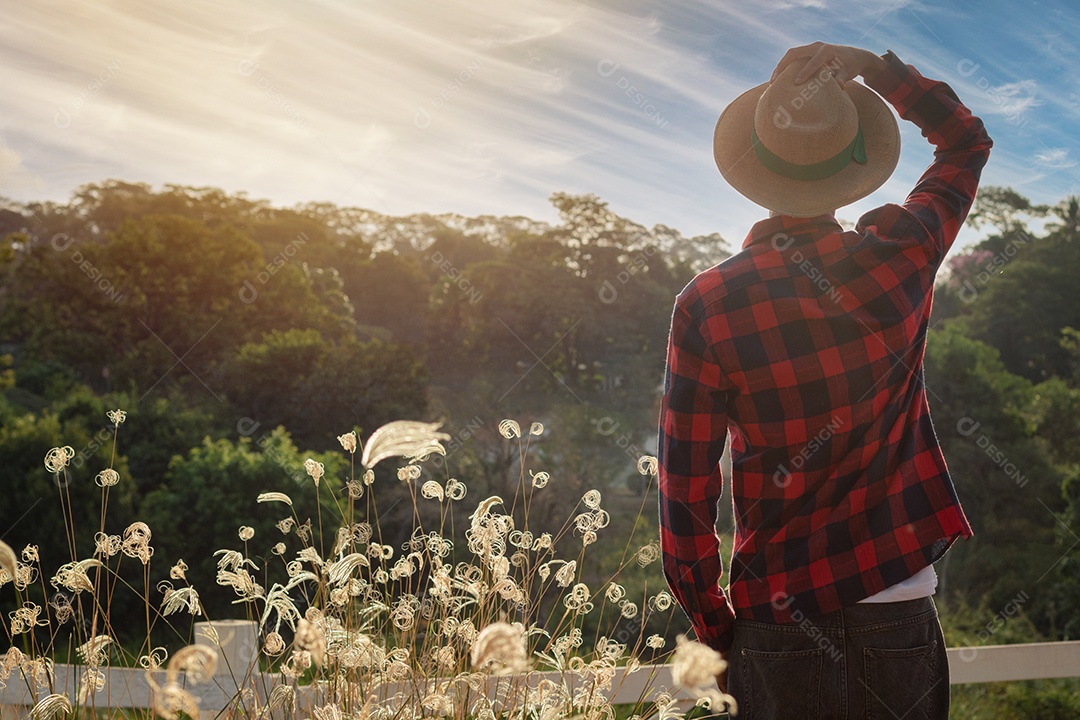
x=900, y=683
x=780, y=684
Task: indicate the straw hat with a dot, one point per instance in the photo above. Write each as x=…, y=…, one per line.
x=806, y=149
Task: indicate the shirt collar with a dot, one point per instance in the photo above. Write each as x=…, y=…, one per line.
x=766, y=230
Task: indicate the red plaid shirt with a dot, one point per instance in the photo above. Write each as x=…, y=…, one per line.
x=808, y=347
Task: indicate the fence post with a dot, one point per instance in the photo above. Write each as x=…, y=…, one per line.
x=238, y=645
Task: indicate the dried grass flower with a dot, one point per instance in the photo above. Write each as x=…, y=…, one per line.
x=565, y=575
x=40, y=671
x=696, y=667
x=509, y=429
x=328, y=712
x=647, y=554
x=171, y=699
x=403, y=438
x=432, y=490
x=154, y=659
x=197, y=662
x=243, y=584
x=73, y=577
x=282, y=697
x=311, y=638
x=94, y=651
x=52, y=706
x=500, y=648
x=107, y=545
x=348, y=441
x=661, y=601
x=274, y=497
x=136, y=543
x=232, y=559
x=315, y=469
x=395, y=607
x=179, y=570
x=92, y=681
x=578, y=600
x=58, y=458
x=273, y=645
x=9, y=563
x=179, y=599
x=408, y=473
x=647, y=465
x=62, y=609
x=107, y=478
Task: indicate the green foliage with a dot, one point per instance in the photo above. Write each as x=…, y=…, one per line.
x=391, y=291
x=1016, y=291
x=1042, y=699
x=1003, y=475
x=32, y=494
x=210, y=491
x=1002, y=209
x=351, y=384
x=7, y=372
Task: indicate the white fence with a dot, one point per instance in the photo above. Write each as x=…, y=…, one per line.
x=128, y=688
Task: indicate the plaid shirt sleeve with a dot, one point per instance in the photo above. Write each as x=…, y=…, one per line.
x=702, y=397
x=943, y=195
x=693, y=430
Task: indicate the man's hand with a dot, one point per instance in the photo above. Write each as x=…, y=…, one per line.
x=721, y=679
x=842, y=62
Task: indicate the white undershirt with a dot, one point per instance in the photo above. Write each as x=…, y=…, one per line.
x=921, y=584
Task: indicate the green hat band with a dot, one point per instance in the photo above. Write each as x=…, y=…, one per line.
x=856, y=150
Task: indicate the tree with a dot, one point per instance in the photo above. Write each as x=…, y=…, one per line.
x=211, y=491
x=1002, y=209
x=1003, y=475
x=1021, y=312
x=391, y=291
x=320, y=388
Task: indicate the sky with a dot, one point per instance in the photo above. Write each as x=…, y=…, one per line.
x=490, y=106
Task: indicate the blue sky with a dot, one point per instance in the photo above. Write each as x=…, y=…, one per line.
x=489, y=106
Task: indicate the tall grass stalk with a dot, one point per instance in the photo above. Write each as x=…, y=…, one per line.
x=453, y=622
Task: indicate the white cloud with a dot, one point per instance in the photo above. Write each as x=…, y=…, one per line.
x=1055, y=158
x=1015, y=98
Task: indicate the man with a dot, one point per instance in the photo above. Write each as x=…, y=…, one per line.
x=808, y=346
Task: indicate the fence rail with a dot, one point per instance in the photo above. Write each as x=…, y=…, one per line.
x=128, y=687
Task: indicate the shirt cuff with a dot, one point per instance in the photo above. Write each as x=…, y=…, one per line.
x=720, y=643
x=715, y=630
x=892, y=77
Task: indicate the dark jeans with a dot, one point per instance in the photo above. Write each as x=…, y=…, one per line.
x=878, y=661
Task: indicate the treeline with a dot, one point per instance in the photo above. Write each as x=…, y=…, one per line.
x=242, y=339
x=1003, y=379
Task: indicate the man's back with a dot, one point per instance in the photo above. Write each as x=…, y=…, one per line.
x=824, y=332
x=808, y=346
